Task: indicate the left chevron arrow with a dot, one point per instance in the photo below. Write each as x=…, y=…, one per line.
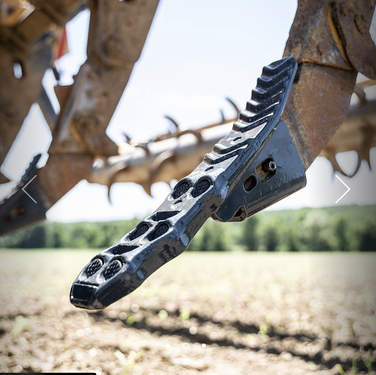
x=23, y=189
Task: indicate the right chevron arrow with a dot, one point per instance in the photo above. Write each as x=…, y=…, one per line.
x=348, y=189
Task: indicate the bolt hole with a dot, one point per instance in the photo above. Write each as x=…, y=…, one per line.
x=161, y=229
x=138, y=231
x=112, y=269
x=240, y=215
x=271, y=166
x=7, y=218
x=236, y=139
x=209, y=169
x=201, y=187
x=163, y=215
x=122, y=249
x=18, y=211
x=267, y=169
x=18, y=71
x=250, y=183
x=181, y=188
x=94, y=267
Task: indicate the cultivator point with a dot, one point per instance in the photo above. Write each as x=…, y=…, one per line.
x=255, y=165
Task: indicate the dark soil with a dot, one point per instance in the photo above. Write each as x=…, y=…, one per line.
x=231, y=313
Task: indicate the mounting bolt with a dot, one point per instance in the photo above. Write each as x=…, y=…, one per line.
x=272, y=166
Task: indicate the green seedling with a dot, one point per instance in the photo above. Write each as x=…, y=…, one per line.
x=163, y=315
x=353, y=368
x=263, y=329
x=20, y=324
x=184, y=315
x=351, y=328
x=130, y=320
x=340, y=369
x=132, y=344
x=368, y=361
x=129, y=364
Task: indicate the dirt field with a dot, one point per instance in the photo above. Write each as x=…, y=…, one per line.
x=230, y=313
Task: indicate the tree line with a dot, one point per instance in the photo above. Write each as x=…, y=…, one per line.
x=344, y=228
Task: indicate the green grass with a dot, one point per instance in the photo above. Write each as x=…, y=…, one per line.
x=209, y=275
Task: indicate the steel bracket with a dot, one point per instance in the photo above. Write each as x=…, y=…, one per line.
x=275, y=173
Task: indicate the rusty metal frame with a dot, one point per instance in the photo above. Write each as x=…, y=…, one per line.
x=329, y=40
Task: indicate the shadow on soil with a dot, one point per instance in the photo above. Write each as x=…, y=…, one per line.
x=244, y=329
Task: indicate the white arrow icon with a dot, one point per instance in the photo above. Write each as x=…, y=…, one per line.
x=348, y=189
x=23, y=189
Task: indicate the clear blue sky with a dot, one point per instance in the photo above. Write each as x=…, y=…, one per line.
x=197, y=53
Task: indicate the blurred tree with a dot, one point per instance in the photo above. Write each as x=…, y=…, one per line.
x=212, y=237
x=219, y=235
x=271, y=239
x=316, y=231
x=303, y=230
x=367, y=236
x=340, y=230
x=289, y=238
x=206, y=239
x=269, y=234
x=249, y=238
x=59, y=235
x=35, y=237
